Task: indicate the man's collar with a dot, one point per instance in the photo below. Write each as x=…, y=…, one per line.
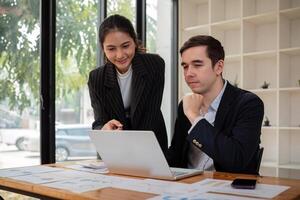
x=216, y=102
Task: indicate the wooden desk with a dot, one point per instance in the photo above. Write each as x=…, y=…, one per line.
x=44, y=192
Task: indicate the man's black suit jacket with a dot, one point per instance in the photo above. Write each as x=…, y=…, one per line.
x=147, y=91
x=233, y=141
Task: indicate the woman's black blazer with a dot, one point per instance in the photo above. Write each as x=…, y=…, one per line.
x=147, y=91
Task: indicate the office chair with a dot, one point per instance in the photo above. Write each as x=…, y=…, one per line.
x=259, y=158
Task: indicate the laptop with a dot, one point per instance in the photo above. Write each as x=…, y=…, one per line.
x=135, y=153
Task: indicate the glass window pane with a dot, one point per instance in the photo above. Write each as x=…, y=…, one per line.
x=19, y=82
x=122, y=7
x=158, y=34
x=76, y=46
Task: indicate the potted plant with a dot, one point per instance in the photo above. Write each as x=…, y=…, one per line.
x=267, y=121
x=265, y=85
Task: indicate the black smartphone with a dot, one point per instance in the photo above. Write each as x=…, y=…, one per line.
x=243, y=183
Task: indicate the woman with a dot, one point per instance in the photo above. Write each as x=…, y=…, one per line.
x=126, y=92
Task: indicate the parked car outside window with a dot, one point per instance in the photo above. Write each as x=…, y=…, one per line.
x=16, y=136
x=72, y=140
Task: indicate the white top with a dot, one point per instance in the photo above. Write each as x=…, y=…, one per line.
x=124, y=81
x=197, y=159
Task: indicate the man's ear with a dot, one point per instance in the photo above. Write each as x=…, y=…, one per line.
x=219, y=67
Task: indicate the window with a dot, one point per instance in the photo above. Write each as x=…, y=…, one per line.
x=159, y=40
x=122, y=7
x=78, y=132
x=19, y=81
x=76, y=49
x=75, y=56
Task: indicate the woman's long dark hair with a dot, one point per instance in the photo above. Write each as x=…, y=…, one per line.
x=119, y=23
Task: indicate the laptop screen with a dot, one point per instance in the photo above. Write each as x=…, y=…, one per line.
x=135, y=153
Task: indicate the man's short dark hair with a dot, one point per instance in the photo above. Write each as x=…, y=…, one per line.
x=215, y=49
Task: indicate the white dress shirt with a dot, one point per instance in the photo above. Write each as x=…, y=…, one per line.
x=197, y=159
x=124, y=81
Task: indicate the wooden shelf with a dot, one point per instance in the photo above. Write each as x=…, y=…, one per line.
x=261, y=39
x=227, y=25
x=261, y=54
x=291, y=13
x=194, y=30
x=295, y=51
x=295, y=128
x=201, y=28
x=232, y=58
x=269, y=127
x=291, y=89
x=290, y=166
x=266, y=18
x=270, y=90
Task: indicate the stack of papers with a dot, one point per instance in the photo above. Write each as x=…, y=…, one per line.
x=223, y=186
x=201, y=196
x=22, y=171
x=81, y=180
x=96, y=167
x=210, y=189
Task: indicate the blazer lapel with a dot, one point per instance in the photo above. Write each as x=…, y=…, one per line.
x=228, y=97
x=138, y=83
x=113, y=93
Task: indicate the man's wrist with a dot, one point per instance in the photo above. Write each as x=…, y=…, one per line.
x=195, y=122
x=193, y=117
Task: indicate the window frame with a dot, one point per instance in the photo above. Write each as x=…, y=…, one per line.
x=47, y=54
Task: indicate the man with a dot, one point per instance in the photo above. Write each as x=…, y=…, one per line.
x=218, y=127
